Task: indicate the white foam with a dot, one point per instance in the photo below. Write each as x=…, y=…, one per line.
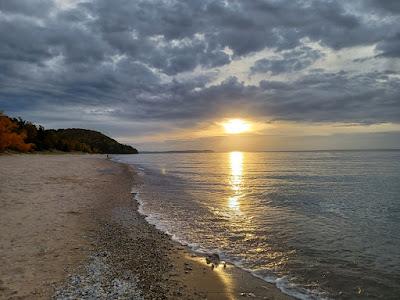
x=281, y=283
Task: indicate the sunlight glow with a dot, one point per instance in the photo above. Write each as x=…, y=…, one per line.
x=234, y=203
x=236, y=163
x=235, y=126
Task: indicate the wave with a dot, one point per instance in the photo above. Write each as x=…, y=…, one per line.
x=155, y=219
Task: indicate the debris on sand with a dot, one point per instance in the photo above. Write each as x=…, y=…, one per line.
x=97, y=282
x=213, y=259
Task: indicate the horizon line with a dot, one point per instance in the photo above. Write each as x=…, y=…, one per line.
x=208, y=151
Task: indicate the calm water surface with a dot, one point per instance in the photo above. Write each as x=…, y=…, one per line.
x=317, y=224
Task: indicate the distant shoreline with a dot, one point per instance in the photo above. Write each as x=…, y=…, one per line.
x=177, y=151
x=265, y=151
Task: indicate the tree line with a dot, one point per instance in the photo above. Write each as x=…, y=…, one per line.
x=20, y=135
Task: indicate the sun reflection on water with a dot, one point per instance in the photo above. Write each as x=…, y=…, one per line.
x=236, y=179
x=234, y=203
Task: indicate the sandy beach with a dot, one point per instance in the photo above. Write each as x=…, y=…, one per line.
x=70, y=229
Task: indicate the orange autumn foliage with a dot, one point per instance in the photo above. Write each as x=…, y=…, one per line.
x=9, y=138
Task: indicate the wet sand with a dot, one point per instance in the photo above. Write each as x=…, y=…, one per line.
x=69, y=228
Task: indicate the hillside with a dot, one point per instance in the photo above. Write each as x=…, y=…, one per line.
x=23, y=136
x=98, y=142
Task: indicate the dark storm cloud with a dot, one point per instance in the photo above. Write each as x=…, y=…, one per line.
x=290, y=61
x=318, y=97
x=132, y=60
x=35, y=8
x=387, y=6
x=335, y=97
x=390, y=47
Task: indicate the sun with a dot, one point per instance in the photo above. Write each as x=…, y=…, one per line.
x=235, y=126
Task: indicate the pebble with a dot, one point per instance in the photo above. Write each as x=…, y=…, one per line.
x=252, y=295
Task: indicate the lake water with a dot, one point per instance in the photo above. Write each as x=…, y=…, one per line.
x=317, y=224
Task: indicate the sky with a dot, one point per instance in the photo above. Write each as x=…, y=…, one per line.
x=166, y=75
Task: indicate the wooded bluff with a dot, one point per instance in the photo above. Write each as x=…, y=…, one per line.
x=19, y=135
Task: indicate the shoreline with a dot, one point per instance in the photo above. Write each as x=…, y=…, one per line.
x=239, y=283
x=79, y=234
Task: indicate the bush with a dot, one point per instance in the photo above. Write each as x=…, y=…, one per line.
x=11, y=138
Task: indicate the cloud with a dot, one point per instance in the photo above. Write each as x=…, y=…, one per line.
x=290, y=61
x=336, y=97
x=387, y=6
x=156, y=60
x=33, y=8
x=371, y=140
x=390, y=47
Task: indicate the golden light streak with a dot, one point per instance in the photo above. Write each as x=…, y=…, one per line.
x=236, y=164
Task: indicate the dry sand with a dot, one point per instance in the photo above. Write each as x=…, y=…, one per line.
x=69, y=228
